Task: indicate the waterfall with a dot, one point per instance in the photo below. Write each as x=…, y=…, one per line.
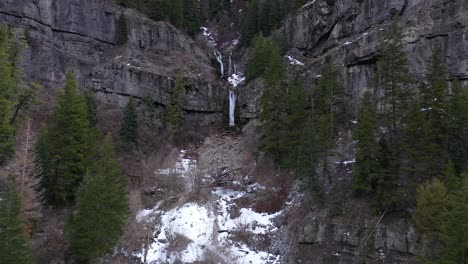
x=219, y=58
x=232, y=107
x=230, y=65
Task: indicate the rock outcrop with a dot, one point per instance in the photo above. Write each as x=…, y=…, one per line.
x=351, y=32
x=79, y=35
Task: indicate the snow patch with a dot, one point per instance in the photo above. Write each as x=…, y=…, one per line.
x=236, y=79
x=294, y=61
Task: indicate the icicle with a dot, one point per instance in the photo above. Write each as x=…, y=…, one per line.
x=219, y=58
x=232, y=107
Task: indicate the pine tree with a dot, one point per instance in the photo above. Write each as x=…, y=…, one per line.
x=418, y=145
x=431, y=208
x=366, y=165
x=328, y=97
x=250, y=22
x=260, y=57
x=308, y=160
x=7, y=93
x=272, y=108
x=102, y=208
x=157, y=9
x=191, y=16
x=394, y=84
x=91, y=108
x=121, y=31
x=174, y=112
x=394, y=81
x=458, y=128
x=386, y=196
x=436, y=106
x=176, y=12
x=295, y=114
x=64, y=151
x=129, y=127
x=455, y=229
x=13, y=245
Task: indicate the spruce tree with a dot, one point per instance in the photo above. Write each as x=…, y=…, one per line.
x=431, y=208
x=458, y=128
x=272, y=108
x=394, y=81
x=308, y=159
x=328, y=97
x=191, y=16
x=250, y=22
x=176, y=12
x=65, y=148
x=455, y=229
x=419, y=145
x=7, y=93
x=14, y=247
x=259, y=58
x=129, y=127
x=174, y=112
x=121, y=31
x=91, y=108
x=101, y=210
x=436, y=107
x=293, y=120
x=157, y=9
x=366, y=165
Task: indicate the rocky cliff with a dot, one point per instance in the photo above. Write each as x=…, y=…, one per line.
x=351, y=32
x=80, y=35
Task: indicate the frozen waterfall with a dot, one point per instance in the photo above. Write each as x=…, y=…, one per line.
x=232, y=107
x=219, y=58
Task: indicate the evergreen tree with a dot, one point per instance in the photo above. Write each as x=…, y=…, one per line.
x=394, y=84
x=431, y=208
x=458, y=128
x=436, y=106
x=65, y=148
x=121, y=31
x=13, y=245
x=272, y=108
x=250, y=22
x=394, y=81
x=386, y=195
x=366, y=165
x=308, y=160
x=176, y=12
x=328, y=97
x=174, y=112
x=102, y=208
x=191, y=16
x=455, y=229
x=129, y=127
x=418, y=145
x=295, y=114
x=91, y=108
x=7, y=93
x=158, y=9
x=260, y=57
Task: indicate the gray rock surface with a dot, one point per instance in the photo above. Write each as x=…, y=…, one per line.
x=351, y=32
x=79, y=34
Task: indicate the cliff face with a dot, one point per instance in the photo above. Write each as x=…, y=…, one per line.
x=80, y=35
x=351, y=32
